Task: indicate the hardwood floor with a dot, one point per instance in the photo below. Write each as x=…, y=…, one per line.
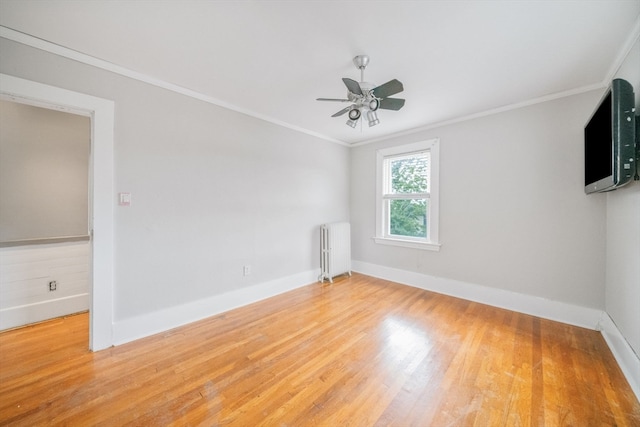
x=360, y=352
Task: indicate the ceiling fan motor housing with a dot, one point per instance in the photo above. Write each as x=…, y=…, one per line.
x=361, y=61
x=367, y=99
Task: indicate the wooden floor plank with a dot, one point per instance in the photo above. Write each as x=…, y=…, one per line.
x=360, y=352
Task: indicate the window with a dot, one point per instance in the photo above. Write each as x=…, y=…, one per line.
x=407, y=195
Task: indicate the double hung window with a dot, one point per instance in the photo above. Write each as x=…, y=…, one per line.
x=407, y=196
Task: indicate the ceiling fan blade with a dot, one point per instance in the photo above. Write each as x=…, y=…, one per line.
x=389, y=88
x=341, y=112
x=332, y=99
x=353, y=86
x=391, y=103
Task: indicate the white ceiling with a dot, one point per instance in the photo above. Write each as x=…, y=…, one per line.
x=272, y=59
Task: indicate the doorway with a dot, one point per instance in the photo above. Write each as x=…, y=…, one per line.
x=101, y=203
x=44, y=214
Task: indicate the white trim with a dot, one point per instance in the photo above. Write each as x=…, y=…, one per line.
x=536, y=306
x=13, y=317
x=83, y=58
x=634, y=35
x=627, y=359
x=47, y=46
x=407, y=244
x=44, y=241
x=159, y=321
x=101, y=199
x=485, y=113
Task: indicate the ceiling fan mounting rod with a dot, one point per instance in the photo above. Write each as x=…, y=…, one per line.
x=361, y=62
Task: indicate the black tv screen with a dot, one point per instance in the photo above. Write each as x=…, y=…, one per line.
x=598, y=140
x=609, y=140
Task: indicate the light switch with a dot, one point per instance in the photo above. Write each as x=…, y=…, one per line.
x=125, y=199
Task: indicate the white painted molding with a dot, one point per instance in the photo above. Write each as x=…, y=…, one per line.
x=547, y=309
x=37, y=312
x=485, y=113
x=633, y=36
x=47, y=46
x=628, y=361
x=83, y=58
x=134, y=328
x=606, y=81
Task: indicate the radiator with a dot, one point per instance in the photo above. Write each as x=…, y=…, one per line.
x=335, y=250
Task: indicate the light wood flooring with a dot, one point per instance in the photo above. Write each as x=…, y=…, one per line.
x=359, y=352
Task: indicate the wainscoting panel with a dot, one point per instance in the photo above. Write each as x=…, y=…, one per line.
x=26, y=273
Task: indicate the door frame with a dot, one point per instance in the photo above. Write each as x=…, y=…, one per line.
x=101, y=190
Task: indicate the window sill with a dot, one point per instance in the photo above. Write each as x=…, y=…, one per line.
x=408, y=244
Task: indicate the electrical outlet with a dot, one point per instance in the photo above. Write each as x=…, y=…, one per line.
x=246, y=270
x=53, y=285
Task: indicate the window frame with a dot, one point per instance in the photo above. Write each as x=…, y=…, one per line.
x=431, y=242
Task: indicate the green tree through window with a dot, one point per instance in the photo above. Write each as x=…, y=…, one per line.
x=408, y=176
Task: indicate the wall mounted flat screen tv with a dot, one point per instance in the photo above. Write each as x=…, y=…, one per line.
x=609, y=140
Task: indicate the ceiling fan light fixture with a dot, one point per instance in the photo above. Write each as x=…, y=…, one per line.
x=372, y=117
x=365, y=97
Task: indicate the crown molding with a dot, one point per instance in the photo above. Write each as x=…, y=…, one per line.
x=47, y=46
x=633, y=37
x=502, y=109
x=56, y=49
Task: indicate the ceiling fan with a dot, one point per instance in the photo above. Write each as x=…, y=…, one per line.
x=365, y=97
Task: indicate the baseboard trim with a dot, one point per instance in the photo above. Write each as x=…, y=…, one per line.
x=536, y=306
x=134, y=328
x=547, y=309
x=131, y=329
x=627, y=359
x=13, y=317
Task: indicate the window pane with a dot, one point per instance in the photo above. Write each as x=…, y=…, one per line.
x=408, y=217
x=409, y=174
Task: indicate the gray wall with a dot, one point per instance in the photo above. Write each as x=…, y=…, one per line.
x=212, y=189
x=44, y=163
x=513, y=212
x=623, y=236
x=514, y=215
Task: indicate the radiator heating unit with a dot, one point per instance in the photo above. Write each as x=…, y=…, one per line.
x=335, y=250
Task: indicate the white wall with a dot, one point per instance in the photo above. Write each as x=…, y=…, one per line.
x=212, y=190
x=25, y=273
x=513, y=213
x=623, y=237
